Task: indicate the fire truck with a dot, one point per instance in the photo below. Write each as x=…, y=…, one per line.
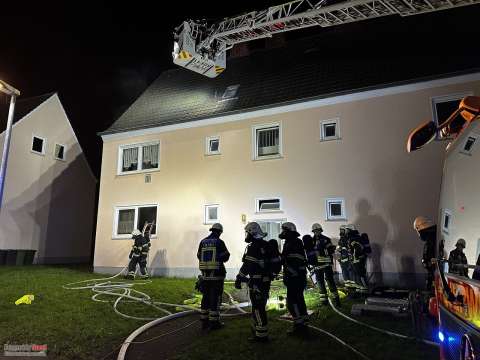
x=456, y=303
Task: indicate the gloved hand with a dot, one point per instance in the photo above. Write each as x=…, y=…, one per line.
x=131, y=254
x=238, y=283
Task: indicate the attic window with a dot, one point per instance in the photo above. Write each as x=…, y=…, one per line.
x=230, y=92
x=38, y=145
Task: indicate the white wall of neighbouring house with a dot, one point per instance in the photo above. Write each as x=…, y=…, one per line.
x=384, y=187
x=48, y=204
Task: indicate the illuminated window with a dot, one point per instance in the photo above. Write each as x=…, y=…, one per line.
x=129, y=218
x=335, y=209
x=59, y=152
x=138, y=158
x=267, y=141
x=212, y=213
x=38, y=145
x=230, y=92
x=446, y=221
x=212, y=144
x=329, y=130
x=268, y=205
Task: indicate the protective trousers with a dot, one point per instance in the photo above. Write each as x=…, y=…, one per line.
x=259, y=297
x=296, y=301
x=212, y=291
x=430, y=277
x=346, y=270
x=360, y=272
x=322, y=274
x=141, y=260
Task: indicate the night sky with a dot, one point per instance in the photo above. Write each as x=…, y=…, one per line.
x=100, y=55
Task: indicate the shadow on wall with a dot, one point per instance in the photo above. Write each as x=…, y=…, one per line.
x=377, y=229
x=58, y=220
x=159, y=263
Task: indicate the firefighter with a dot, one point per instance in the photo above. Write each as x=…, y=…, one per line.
x=294, y=276
x=427, y=231
x=345, y=257
x=457, y=261
x=212, y=254
x=476, y=272
x=359, y=259
x=138, y=254
x=323, y=266
x=257, y=271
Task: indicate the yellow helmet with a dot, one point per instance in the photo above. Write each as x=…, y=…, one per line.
x=422, y=223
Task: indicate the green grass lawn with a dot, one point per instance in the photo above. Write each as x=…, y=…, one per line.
x=231, y=342
x=75, y=327
x=68, y=321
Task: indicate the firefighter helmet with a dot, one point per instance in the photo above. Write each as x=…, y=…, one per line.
x=350, y=227
x=422, y=223
x=461, y=242
x=217, y=226
x=317, y=227
x=289, y=226
x=255, y=230
x=136, y=232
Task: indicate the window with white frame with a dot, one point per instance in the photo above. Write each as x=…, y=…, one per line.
x=446, y=220
x=444, y=106
x=38, y=145
x=268, y=205
x=139, y=157
x=335, y=209
x=212, y=144
x=267, y=141
x=59, y=152
x=212, y=213
x=330, y=129
x=469, y=144
x=230, y=92
x=129, y=218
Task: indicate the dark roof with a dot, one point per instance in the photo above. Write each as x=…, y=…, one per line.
x=22, y=107
x=290, y=74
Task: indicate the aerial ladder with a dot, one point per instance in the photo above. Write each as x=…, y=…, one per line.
x=202, y=47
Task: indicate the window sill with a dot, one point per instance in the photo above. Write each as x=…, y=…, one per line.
x=268, y=157
x=213, y=154
x=64, y=160
x=128, y=237
x=466, y=153
x=269, y=212
x=330, y=139
x=38, y=153
x=138, y=172
x=337, y=219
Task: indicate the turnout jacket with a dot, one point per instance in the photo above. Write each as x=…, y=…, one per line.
x=356, y=247
x=140, y=246
x=343, y=249
x=211, y=254
x=455, y=261
x=429, y=235
x=324, y=249
x=294, y=260
x=260, y=262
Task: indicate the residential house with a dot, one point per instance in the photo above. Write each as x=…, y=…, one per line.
x=49, y=198
x=318, y=139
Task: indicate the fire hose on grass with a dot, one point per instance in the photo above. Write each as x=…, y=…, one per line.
x=391, y=333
